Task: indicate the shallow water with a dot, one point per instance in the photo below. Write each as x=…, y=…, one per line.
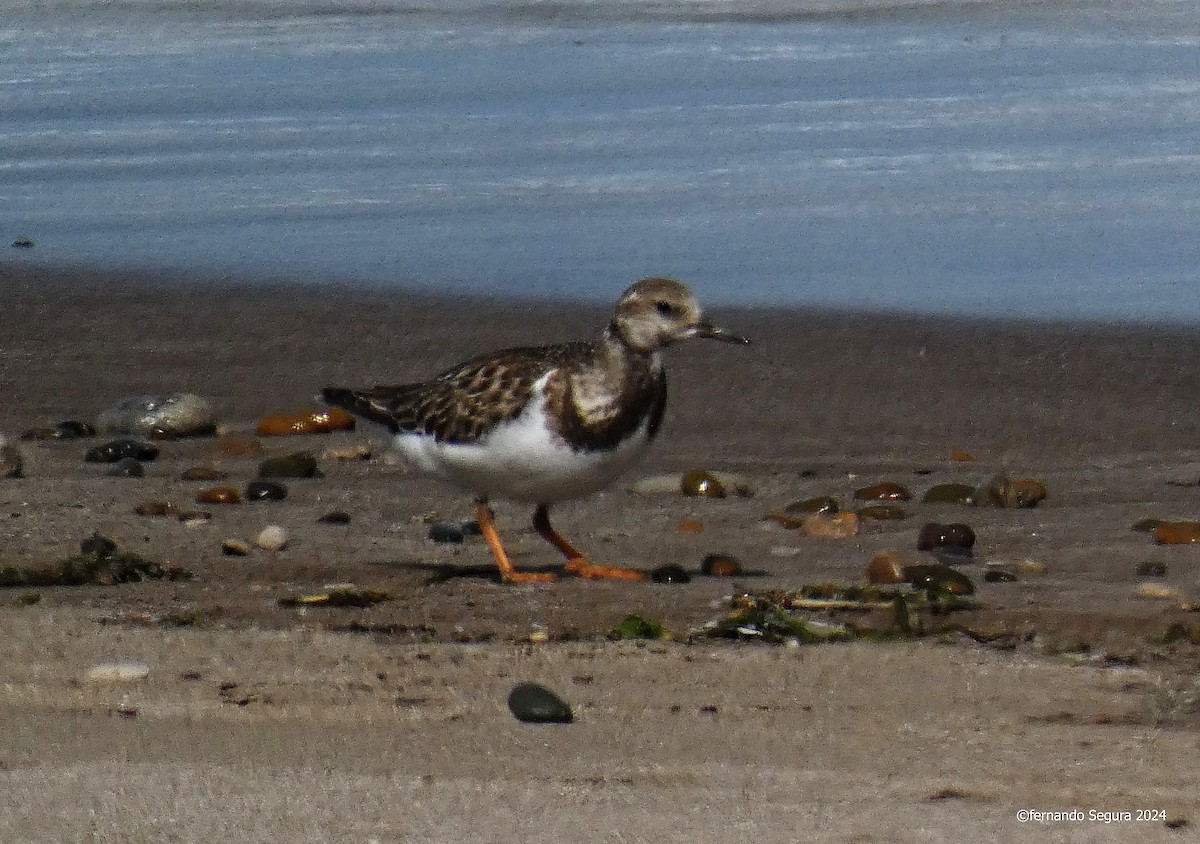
x=1037, y=161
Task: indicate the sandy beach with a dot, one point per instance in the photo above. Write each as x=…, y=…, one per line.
x=1066, y=691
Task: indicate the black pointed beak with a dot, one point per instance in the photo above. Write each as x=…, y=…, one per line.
x=708, y=330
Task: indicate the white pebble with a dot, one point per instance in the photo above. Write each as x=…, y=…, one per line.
x=271, y=538
x=121, y=671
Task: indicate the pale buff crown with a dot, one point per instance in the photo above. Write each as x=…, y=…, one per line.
x=656, y=312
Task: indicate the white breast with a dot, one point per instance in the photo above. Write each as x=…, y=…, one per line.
x=523, y=460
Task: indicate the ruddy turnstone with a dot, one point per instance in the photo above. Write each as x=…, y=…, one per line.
x=544, y=424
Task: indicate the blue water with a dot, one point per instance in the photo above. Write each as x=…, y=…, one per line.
x=992, y=159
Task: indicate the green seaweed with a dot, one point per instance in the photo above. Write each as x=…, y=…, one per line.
x=636, y=627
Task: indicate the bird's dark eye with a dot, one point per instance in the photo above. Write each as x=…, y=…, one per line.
x=664, y=308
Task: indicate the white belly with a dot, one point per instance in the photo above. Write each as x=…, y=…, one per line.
x=522, y=461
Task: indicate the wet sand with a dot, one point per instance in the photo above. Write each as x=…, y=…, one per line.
x=264, y=723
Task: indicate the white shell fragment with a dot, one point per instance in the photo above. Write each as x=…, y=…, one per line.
x=118, y=671
x=271, y=538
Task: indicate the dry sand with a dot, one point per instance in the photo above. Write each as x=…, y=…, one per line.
x=261, y=723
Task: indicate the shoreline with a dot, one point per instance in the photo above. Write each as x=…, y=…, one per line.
x=1065, y=689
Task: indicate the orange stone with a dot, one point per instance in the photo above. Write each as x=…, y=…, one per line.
x=886, y=567
x=830, y=527
x=309, y=422
x=219, y=495
x=960, y=456
x=1177, y=533
x=691, y=526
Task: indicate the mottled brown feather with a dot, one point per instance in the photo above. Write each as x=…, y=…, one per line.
x=462, y=404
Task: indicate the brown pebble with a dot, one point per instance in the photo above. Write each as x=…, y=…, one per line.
x=1177, y=533
x=822, y=504
x=960, y=456
x=721, y=565
x=154, y=508
x=830, y=527
x=886, y=567
x=885, y=491
x=309, y=422
x=691, y=526
x=203, y=473
x=237, y=445
x=219, y=495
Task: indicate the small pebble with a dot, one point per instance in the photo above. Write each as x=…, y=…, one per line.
x=446, y=532
x=1157, y=591
x=265, y=491
x=299, y=464
x=691, y=526
x=127, y=467
x=111, y=452
x=721, y=565
x=1177, y=533
x=308, y=422
x=822, y=505
x=674, y=484
x=120, y=671
x=670, y=573
x=271, y=538
x=203, y=473
x=939, y=579
x=219, y=495
x=963, y=494
x=335, y=517
x=235, y=548
x=960, y=456
x=997, y=574
x=163, y=416
x=154, y=508
x=841, y=526
x=698, y=482
x=887, y=567
x=885, y=491
x=535, y=704
x=195, y=518
x=1034, y=568
x=1151, y=569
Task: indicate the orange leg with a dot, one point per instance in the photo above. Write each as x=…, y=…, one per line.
x=576, y=562
x=487, y=526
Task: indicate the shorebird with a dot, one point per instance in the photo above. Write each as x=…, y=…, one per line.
x=544, y=424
